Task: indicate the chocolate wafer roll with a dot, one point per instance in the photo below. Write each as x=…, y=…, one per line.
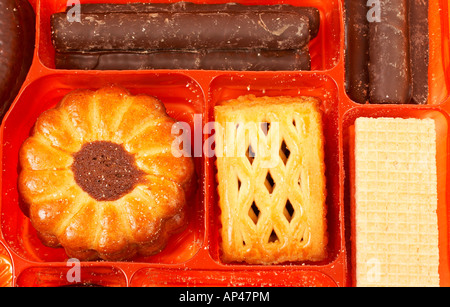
x=181, y=31
x=389, y=53
x=105, y=8
x=357, y=51
x=419, y=42
x=240, y=60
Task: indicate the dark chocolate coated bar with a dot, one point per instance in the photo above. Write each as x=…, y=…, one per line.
x=11, y=55
x=17, y=31
x=240, y=60
x=181, y=31
x=357, y=50
x=419, y=41
x=389, y=68
x=313, y=14
x=28, y=24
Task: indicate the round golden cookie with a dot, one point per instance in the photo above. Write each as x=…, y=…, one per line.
x=100, y=178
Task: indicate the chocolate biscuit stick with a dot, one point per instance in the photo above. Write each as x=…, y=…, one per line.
x=357, y=52
x=181, y=31
x=106, y=8
x=242, y=60
x=389, y=53
x=419, y=47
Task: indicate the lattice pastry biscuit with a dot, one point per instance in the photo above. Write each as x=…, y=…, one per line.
x=396, y=227
x=271, y=175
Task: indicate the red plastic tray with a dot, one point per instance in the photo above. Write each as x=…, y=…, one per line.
x=192, y=258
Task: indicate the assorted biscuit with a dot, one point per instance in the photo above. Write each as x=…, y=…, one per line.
x=185, y=35
x=17, y=19
x=271, y=186
x=395, y=202
x=387, y=51
x=97, y=174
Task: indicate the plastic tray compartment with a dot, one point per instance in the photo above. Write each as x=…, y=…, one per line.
x=438, y=108
x=193, y=258
x=227, y=87
x=182, y=97
x=442, y=147
x=439, y=53
x=325, y=48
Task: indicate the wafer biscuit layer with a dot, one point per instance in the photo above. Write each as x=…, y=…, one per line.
x=395, y=202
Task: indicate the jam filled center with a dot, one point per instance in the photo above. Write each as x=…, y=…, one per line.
x=105, y=170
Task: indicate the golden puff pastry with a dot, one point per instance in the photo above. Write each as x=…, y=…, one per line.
x=99, y=176
x=271, y=179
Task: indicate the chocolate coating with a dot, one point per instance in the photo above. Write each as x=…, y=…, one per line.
x=105, y=170
x=313, y=14
x=389, y=68
x=17, y=31
x=357, y=50
x=419, y=46
x=241, y=60
x=11, y=56
x=181, y=31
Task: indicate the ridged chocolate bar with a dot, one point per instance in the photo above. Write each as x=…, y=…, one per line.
x=204, y=60
x=357, y=51
x=181, y=31
x=419, y=40
x=389, y=68
x=313, y=14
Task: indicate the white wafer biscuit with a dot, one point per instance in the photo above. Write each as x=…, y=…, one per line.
x=396, y=225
